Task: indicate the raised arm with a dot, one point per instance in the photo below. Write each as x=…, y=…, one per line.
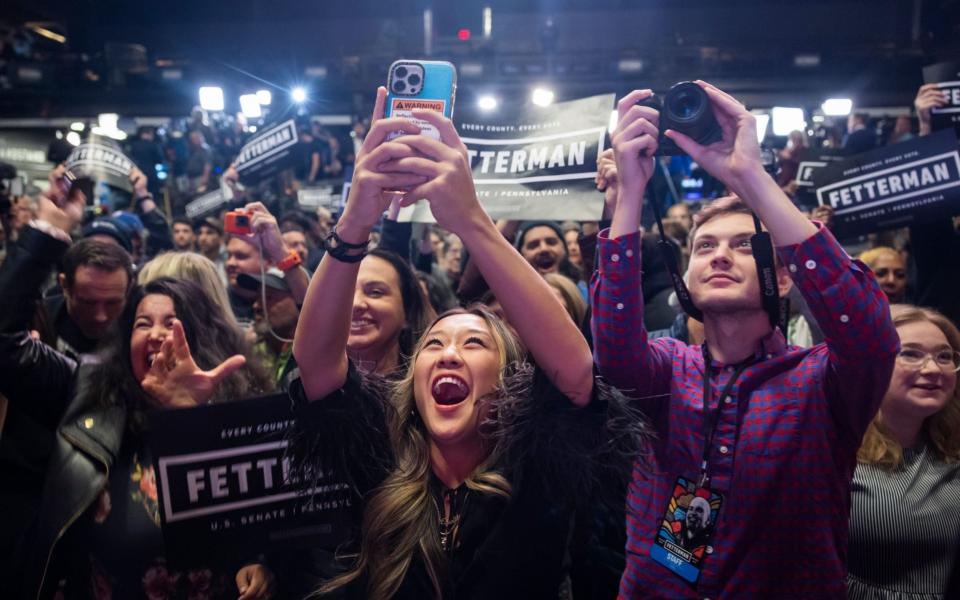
x=735, y=160
x=541, y=321
x=32, y=374
x=320, y=342
x=623, y=354
x=842, y=293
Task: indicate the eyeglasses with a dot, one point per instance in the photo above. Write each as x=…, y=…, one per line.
x=948, y=360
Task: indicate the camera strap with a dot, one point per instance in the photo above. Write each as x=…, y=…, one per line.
x=762, y=247
x=669, y=255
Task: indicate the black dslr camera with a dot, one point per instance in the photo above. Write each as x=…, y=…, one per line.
x=685, y=108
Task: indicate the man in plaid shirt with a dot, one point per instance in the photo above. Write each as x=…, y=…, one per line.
x=773, y=456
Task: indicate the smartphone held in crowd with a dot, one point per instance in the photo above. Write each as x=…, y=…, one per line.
x=734, y=396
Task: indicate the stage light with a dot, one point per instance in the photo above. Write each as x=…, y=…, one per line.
x=264, y=97
x=463, y=35
x=77, y=126
x=630, y=65
x=298, y=95
x=211, y=98
x=487, y=103
x=837, y=107
x=250, y=106
x=74, y=138
x=542, y=96
x=108, y=120
x=786, y=119
x=487, y=22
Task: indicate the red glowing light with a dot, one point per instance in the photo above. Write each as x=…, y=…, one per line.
x=463, y=35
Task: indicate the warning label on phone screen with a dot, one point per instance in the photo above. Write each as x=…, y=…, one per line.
x=404, y=107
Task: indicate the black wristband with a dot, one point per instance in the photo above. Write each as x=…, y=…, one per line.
x=340, y=250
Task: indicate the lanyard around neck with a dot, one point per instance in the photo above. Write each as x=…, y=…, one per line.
x=711, y=416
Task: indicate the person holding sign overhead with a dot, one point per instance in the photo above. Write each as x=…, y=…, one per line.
x=468, y=471
x=762, y=434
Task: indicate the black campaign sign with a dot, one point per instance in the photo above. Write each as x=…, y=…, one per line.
x=917, y=181
x=226, y=487
x=535, y=162
x=268, y=153
x=101, y=160
x=811, y=161
x=947, y=78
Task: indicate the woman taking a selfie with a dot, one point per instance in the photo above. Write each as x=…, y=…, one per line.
x=471, y=462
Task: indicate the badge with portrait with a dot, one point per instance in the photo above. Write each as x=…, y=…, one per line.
x=684, y=535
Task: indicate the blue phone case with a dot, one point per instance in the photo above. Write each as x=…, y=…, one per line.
x=439, y=85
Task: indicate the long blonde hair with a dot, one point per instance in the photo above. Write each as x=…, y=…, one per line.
x=400, y=519
x=195, y=267
x=942, y=429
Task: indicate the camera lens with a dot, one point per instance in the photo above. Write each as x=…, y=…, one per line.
x=401, y=72
x=686, y=104
x=399, y=86
x=686, y=108
x=414, y=79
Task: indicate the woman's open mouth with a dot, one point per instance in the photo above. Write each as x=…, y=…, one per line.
x=449, y=390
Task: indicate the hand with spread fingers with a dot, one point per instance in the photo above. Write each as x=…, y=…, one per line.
x=445, y=167
x=737, y=155
x=372, y=188
x=174, y=379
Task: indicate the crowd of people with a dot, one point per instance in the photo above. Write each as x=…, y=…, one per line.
x=529, y=409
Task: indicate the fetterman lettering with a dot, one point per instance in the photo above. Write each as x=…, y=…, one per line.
x=266, y=144
x=529, y=159
x=102, y=155
x=891, y=184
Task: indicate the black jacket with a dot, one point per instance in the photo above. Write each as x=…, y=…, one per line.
x=43, y=388
x=46, y=384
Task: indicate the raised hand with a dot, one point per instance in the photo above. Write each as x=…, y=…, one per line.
x=634, y=143
x=445, y=167
x=174, y=379
x=265, y=229
x=372, y=190
x=139, y=182
x=737, y=155
x=58, y=207
x=928, y=96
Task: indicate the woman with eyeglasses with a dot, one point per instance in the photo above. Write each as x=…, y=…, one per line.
x=904, y=522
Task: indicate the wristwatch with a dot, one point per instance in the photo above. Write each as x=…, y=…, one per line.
x=291, y=260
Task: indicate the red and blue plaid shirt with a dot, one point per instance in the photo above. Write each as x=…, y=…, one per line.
x=782, y=529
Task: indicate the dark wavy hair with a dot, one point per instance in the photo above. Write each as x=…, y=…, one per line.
x=416, y=306
x=211, y=336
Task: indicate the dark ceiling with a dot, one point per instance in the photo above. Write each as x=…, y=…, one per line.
x=148, y=58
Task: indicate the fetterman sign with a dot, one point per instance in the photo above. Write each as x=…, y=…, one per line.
x=917, y=181
x=226, y=488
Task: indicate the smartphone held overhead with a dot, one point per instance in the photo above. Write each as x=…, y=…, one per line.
x=420, y=85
